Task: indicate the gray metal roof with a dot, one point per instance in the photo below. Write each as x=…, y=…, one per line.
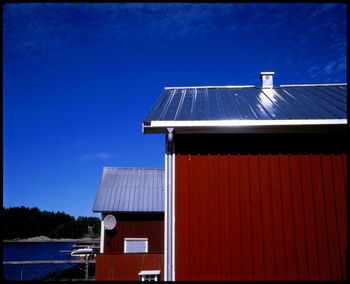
x=250, y=103
x=130, y=190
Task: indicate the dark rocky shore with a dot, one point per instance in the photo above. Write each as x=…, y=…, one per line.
x=44, y=239
x=77, y=272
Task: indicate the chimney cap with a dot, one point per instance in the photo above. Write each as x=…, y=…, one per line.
x=267, y=79
x=266, y=73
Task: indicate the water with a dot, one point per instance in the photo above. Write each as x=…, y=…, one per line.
x=33, y=251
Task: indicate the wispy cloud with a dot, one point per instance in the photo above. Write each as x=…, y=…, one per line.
x=45, y=30
x=332, y=71
x=100, y=156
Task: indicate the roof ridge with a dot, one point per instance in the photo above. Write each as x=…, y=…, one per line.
x=252, y=86
x=133, y=168
x=314, y=85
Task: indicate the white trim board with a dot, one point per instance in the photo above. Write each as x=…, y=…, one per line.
x=173, y=213
x=102, y=236
x=210, y=87
x=238, y=123
x=314, y=85
x=253, y=86
x=165, y=217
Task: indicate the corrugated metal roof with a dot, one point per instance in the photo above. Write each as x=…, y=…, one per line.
x=130, y=190
x=250, y=103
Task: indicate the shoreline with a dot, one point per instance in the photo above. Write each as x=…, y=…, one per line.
x=44, y=239
x=76, y=272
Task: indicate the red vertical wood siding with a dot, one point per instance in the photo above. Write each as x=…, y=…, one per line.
x=125, y=267
x=136, y=227
x=235, y=222
x=260, y=217
x=267, y=221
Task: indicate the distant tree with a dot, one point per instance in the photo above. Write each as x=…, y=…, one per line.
x=66, y=231
x=23, y=222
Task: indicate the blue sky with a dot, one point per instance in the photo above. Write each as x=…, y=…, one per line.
x=78, y=80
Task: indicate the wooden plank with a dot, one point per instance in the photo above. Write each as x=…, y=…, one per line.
x=341, y=207
x=299, y=219
x=195, y=234
x=24, y=262
x=288, y=219
x=184, y=229
x=127, y=266
x=206, y=216
x=266, y=213
x=320, y=217
x=256, y=218
x=224, y=221
x=277, y=218
x=235, y=225
x=309, y=214
x=188, y=247
x=246, y=233
x=208, y=238
x=193, y=229
x=331, y=218
x=345, y=170
x=216, y=234
x=97, y=268
x=112, y=267
x=213, y=220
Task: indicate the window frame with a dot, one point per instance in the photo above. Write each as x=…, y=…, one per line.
x=135, y=239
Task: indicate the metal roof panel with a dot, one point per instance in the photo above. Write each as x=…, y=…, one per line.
x=130, y=190
x=289, y=102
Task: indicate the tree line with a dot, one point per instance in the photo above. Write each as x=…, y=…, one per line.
x=23, y=222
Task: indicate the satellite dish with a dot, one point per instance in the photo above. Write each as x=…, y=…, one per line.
x=109, y=222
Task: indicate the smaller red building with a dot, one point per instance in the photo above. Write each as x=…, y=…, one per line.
x=131, y=201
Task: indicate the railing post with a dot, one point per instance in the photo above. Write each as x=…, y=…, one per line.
x=86, y=270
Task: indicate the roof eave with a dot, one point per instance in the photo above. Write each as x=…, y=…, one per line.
x=247, y=126
x=116, y=212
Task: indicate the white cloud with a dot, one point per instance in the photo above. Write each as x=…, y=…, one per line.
x=100, y=156
x=329, y=68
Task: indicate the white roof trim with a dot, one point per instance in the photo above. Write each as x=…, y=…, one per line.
x=240, y=123
x=314, y=85
x=211, y=87
x=253, y=86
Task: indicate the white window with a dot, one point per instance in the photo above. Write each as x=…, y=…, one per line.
x=134, y=245
x=149, y=275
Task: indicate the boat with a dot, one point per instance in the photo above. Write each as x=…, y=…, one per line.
x=83, y=253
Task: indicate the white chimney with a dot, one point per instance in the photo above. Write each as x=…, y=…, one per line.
x=267, y=79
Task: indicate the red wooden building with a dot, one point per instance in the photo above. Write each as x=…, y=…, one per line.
x=256, y=181
x=131, y=201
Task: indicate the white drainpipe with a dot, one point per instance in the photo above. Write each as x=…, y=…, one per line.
x=102, y=237
x=169, y=258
